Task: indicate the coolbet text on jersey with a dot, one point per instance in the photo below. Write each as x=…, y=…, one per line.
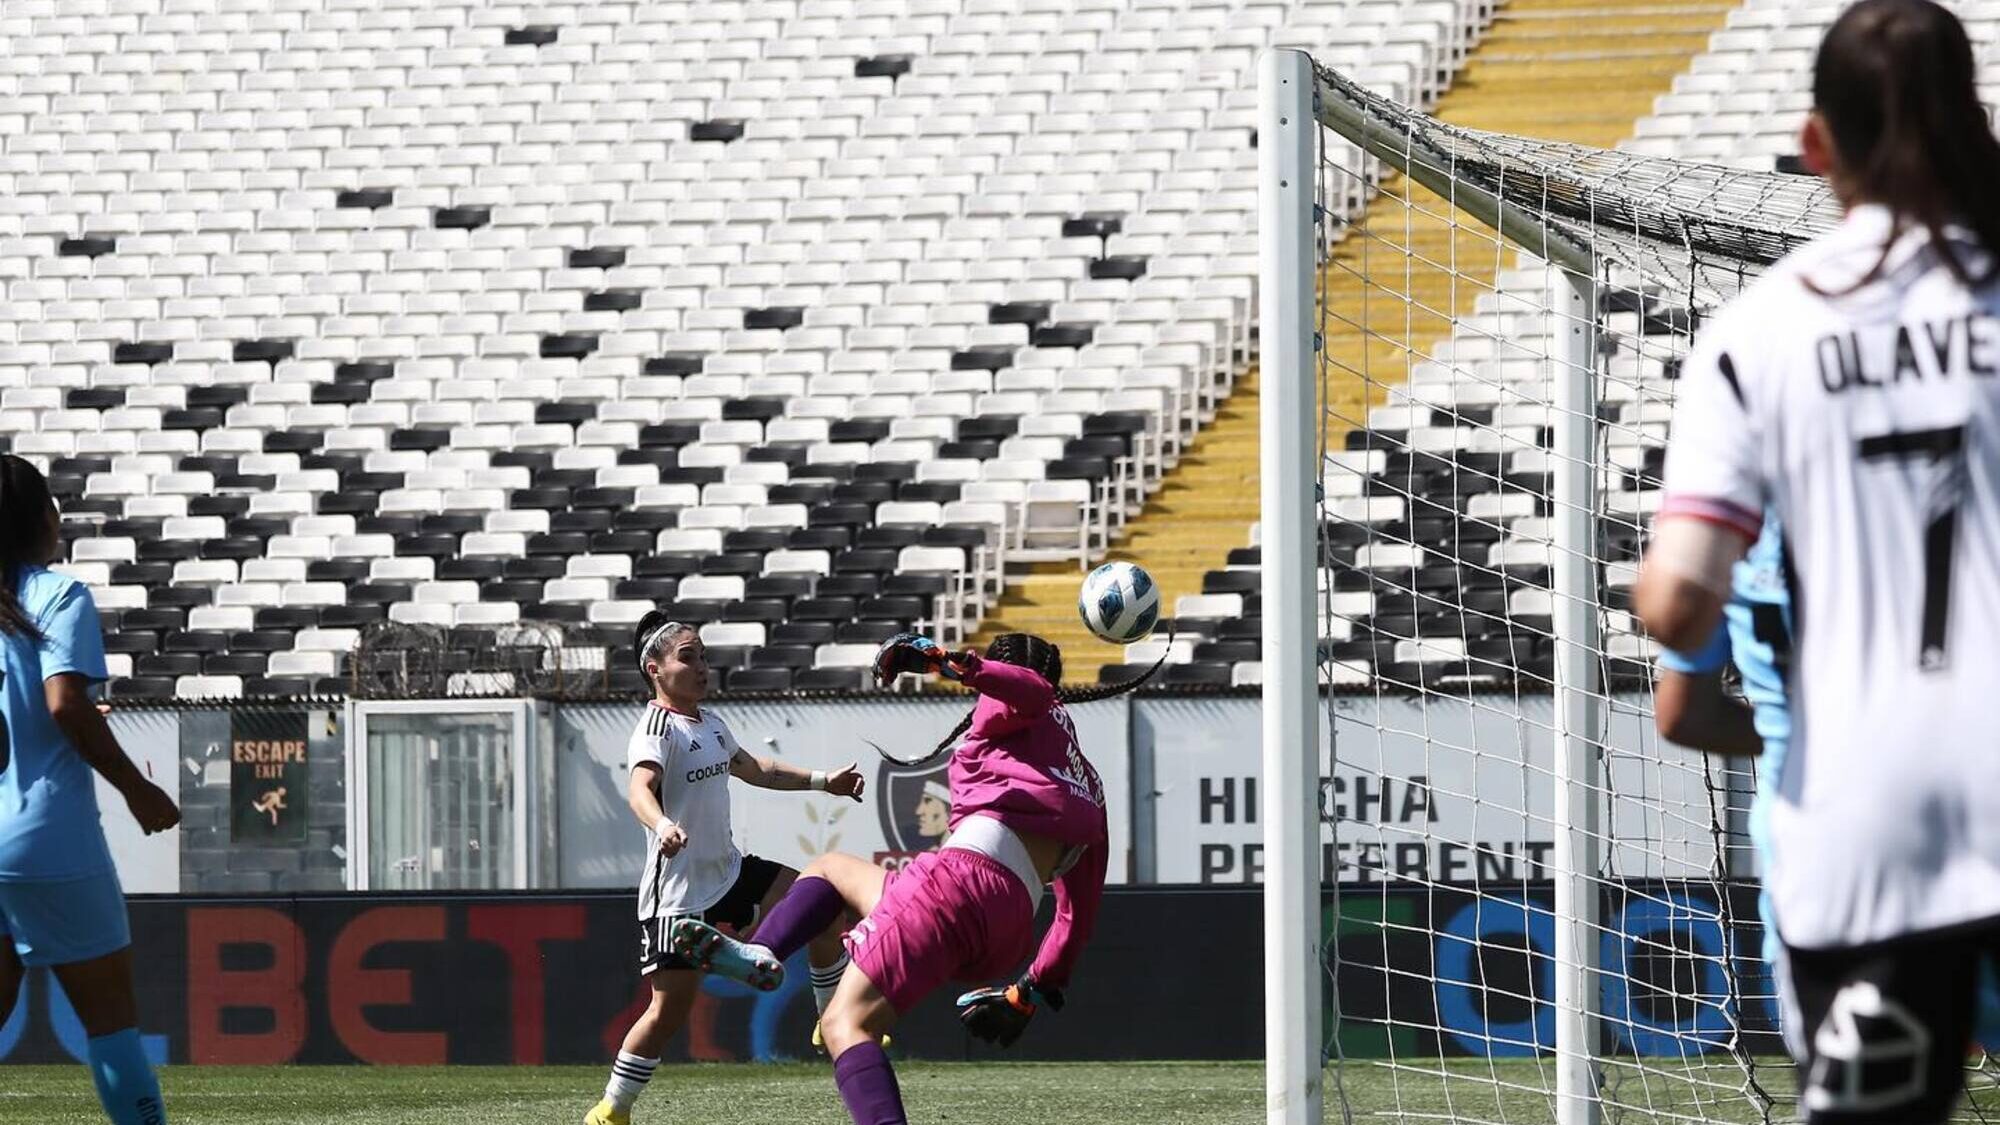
x=693, y=756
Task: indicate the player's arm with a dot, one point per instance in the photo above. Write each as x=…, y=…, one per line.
x=1692, y=708
x=1715, y=495
x=71, y=655
x=1078, y=893
x=1683, y=582
x=1000, y=1015
x=646, y=763
x=1695, y=711
x=76, y=714
x=642, y=795
x=770, y=773
x=1023, y=690
x=1011, y=697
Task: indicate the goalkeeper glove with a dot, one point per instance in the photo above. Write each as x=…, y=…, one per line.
x=1000, y=1015
x=909, y=652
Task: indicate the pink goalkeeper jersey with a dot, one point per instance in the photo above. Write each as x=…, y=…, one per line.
x=1020, y=764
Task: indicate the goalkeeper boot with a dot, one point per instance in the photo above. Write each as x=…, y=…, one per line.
x=710, y=950
x=607, y=1114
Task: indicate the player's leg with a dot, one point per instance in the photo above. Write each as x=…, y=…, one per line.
x=11, y=969
x=11, y=972
x=1883, y=1028
x=854, y=1026
x=815, y=900
x=825, y=956
x=936, y=921
x=101, y=991
x=79, y=929
x=674, y=992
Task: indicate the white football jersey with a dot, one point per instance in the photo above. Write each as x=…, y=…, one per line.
x=1870, y=421
x=693, y=788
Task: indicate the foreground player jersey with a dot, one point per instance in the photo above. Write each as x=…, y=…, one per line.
x=1866, y=422
x=49, y=826
x=1755, y=634
x=1020, y=765
x=693, y=755
x=1759, y=620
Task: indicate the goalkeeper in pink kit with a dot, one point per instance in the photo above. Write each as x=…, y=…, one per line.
x=1027, y=812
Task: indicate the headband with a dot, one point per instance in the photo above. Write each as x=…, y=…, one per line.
x=666, y=629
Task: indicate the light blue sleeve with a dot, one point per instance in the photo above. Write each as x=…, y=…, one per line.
x=72, y=638
x=1711, y=657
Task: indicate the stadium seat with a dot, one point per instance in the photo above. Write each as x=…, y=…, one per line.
x=738, y=309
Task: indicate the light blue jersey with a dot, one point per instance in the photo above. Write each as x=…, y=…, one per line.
x=49, y=827
x=1756, y=635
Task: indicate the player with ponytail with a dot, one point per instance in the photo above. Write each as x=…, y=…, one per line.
x=1027, y=812
x=61, y=905
x=680, y=760
x=1840, y=420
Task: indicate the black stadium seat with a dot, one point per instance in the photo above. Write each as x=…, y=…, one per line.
x=1193, y=675
x=889, y=538
x=180, y=597
x=784, y=587
x=261, y=641
x=782, y=656
x=169, y=664
x=233, y=664
x=830, y=679
x=132, y=642
x=144, y=686
x=154, y=619
x=796, y=632
x=869, y=632
x=769, y=611
x=748, y=680
x=849, y=586
x=287, y=617
x=824, y=609
x=352, y=616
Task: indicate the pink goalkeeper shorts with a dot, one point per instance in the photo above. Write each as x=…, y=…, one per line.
x=948, y=915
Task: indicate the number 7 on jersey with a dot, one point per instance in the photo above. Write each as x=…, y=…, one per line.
x=1944, y=448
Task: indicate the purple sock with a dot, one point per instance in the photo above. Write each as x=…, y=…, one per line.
x=868, y=1085
x=807, y=909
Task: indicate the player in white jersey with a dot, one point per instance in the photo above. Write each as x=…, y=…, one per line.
x=681, y=758
x=1854, y=393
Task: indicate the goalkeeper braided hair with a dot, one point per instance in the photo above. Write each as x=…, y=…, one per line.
x=1030, y=651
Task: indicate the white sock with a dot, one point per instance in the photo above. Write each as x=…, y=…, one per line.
x=629, y=1076
x=825, y=980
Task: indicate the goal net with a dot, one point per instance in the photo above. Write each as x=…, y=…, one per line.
x=1527, y=906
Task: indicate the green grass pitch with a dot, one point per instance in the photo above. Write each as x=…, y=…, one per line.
x=1461, y=1092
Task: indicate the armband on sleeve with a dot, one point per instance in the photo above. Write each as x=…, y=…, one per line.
x=1708, y=658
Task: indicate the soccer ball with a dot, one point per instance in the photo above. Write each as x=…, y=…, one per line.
x=1119, y=602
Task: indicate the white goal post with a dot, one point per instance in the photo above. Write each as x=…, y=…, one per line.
x=1536, y=297
x=1287, y=157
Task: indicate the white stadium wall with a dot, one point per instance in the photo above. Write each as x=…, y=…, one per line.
x=1424, y=786
x=1182, y=774
x=146, y=865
